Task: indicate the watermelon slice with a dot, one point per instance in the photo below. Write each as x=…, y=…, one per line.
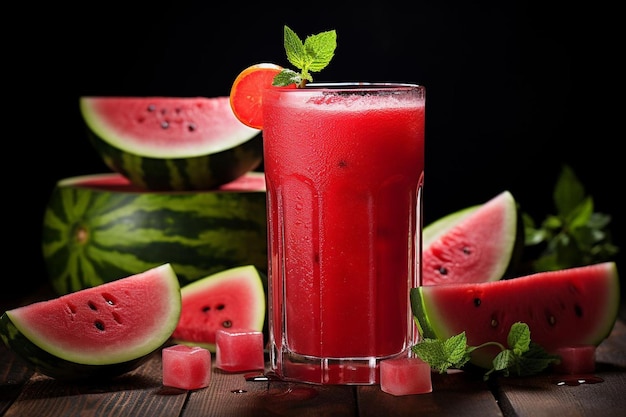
x=230, y=299
x=569, y=307
x=172, y=143
x=474, y=244
x=102, y=331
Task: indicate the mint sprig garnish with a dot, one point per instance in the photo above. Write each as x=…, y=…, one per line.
x=575, y=235
x=522, y=357
x=312, y=55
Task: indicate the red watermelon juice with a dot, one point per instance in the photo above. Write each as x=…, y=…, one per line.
x=344, y=170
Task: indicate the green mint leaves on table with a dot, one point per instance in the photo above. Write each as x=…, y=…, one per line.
x=575, y=235
x=311, y=56
x=522, y=357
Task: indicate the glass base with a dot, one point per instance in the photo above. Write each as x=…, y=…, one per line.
x=291, y=366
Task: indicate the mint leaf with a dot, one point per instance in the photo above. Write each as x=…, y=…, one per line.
x=320, y=50
x=455, y=349
x=432, y=352
x=312, y=55
x=286, y=77
x=568, y=192
x=503, y=361
x=574, y=236
x=534, y=361
x=294, y=48
x=519, y=338
x=523, y=357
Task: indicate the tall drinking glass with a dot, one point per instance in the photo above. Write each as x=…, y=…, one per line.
x=344, y=166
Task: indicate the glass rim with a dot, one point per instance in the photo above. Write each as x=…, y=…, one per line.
x=354, y=86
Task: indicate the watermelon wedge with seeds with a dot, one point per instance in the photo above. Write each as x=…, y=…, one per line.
x=171, y=143
x=102, y=331
x=230, y=299
x=569, y=307
x=475, y=244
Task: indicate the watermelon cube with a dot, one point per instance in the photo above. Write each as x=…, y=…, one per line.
x=186, y=367
x=239, y=350
x=405, y=376
x=580, y=359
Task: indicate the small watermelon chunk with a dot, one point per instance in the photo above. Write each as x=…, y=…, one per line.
x=102, y=331
x=238, y=350
x=230, y=299
x=186, y=367
x=405, y=376
x=576, y=360
x=474, y=244
x=569, y=307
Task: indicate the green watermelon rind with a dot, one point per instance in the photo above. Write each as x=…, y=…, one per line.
x=53, y=366
x=495, y=258
x=48, y=357
x=93, y=235
x=204, y=172
x=431, y=320
x=252, y=278
x=169, y=167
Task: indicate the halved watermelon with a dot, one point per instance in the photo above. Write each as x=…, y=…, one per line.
x=474, y=244
x=98, y=332
x=569, y=307
x=172, y=143
x=230, y=299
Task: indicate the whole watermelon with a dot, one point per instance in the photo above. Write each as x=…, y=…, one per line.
x=99, y=228
x=172, y=143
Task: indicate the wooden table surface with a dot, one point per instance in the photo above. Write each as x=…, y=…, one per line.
x=24, y=393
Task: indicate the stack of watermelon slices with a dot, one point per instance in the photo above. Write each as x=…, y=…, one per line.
x=182, y=190
x=182, y=208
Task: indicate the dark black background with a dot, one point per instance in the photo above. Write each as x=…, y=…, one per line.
x=514, y=89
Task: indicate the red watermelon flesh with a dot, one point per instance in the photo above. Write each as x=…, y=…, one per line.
x=471, y=245
x=113, y=181
x=230, y=299
x=112, y=323
x=200, y=125
x=569, y=307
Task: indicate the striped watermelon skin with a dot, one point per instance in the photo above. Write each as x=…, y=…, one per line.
x=58, y=368
x=193, y=173
x=102, y=232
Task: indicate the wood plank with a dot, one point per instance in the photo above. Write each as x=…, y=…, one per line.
x=542, y=397
x=232, y=395
x=550, y=395
x=138, y=394
x=454, y=394
x=13, y=375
